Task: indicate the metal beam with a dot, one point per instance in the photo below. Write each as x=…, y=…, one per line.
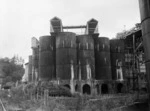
x=74, y=27
x=138, y=46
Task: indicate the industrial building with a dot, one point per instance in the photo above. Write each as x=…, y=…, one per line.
x=88, y=63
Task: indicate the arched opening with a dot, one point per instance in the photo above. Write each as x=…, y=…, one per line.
x=86, y=89
x=104, y=89
x=144, y=90
x=119, y=88
x=97, y=89
x=67, y=86
x=76, y=88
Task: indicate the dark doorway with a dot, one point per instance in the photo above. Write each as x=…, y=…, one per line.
x=86, y=89
x=144, y=90
x=104, y=89
x=97, y=89
x=67, y=86
x=119, y=88
x=76, y=88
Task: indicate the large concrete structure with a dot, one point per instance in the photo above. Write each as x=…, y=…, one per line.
x=84, y=63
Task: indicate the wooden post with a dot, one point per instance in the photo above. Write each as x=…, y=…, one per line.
x=37, y=94
x=100, y=89
x=31, y=95
x=47, y=95
x=44, y=97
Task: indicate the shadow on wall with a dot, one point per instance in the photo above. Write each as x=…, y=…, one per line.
x=136, y=107
x=67, y=86
x=97, y=88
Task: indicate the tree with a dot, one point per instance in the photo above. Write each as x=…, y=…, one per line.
x=124, y=33
x=13, y=68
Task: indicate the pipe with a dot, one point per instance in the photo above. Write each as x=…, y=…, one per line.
x=133, y=69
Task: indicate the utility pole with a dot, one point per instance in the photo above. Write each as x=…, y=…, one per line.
x=145, y=23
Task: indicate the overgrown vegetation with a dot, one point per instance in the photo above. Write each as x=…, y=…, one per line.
x=124, y=33
x=32, y=96
x=11, y=69
x=25, y=97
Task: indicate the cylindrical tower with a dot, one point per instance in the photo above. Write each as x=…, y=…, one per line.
x=117, y=59
x=66, y=56
x=145, y=22
x=103, y=63
x=47, y=58
x=85, y=57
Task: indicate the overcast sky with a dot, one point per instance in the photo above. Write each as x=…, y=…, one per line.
x=20, y=20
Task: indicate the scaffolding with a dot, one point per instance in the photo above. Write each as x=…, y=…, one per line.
x=134, y=59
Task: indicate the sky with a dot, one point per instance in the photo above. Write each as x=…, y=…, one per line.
x=20, y=20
